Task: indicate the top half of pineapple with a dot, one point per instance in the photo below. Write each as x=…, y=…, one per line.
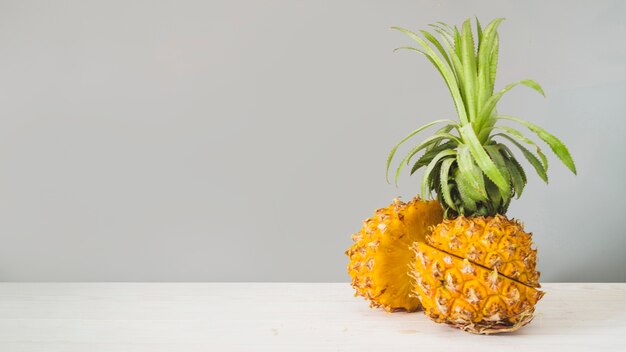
x=469, y=161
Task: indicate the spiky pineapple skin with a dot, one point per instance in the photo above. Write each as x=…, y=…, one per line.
x=494, y=242
x=381, y=254
x=478, y=274
x=468, y=296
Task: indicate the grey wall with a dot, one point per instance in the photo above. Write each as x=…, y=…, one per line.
x=246, y=140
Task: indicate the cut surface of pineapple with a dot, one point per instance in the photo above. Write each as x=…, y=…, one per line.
x=381, y=253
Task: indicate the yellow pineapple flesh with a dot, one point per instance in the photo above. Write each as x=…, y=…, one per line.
x=468, y=296
x=381, y=253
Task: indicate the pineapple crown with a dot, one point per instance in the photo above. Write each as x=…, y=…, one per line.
x=467, y=165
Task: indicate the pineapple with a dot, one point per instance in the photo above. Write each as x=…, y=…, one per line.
x=493, y=242
x=470, y=296
x=477, y=269
x=381, y=253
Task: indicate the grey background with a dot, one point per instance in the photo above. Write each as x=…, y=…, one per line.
x=246, y=140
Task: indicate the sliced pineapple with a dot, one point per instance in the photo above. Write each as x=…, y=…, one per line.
x=381, y=254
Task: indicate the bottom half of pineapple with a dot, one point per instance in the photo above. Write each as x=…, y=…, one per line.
x=470, y=296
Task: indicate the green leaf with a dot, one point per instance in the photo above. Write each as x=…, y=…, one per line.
x=443, y=179
x=493, y=63
x=427, y=143
x=395, y=148
x=471, y=174
x=449, y=78
x=457, y=42
x=511, y=157
x=437, y=45
x=430, y=154
x=559, y=149
x=489, y=36
x=517, y=134
x=518, y=178
x=486, y=129
x=446, y=27
x=486, y=75
x=431, y=166
x=445, y=72
x=490, y=104
x=424, y=144
x=532, y=159
x=499, y=160
x=494, y=154
x=445, y=35
x=444, y=129
x=495, y=197
x=466, y=191
x=482, y=159
x=468, y=59
x=479, y=32
x=456, y=62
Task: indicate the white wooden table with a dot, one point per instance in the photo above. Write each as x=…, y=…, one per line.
x=281, y=317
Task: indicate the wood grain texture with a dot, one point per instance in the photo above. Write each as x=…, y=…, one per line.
x=281, y=317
